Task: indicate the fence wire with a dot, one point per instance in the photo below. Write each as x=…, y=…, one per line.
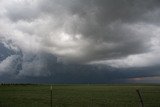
x=38, y=96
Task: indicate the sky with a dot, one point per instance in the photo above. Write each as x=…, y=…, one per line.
x=80, y=41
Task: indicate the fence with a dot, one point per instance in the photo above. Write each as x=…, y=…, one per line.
x=42, y=96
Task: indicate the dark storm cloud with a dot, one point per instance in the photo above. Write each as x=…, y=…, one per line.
x=89, y=74
x=44, y=36
x=45, y=68
x=110, y=27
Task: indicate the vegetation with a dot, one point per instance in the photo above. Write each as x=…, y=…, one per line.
x=29, y=95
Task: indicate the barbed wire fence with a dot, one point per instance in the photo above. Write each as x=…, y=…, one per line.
x=145, y=98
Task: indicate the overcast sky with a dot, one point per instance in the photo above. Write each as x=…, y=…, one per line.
x=110, y=40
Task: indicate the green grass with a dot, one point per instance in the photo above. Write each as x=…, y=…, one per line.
x=79, y=95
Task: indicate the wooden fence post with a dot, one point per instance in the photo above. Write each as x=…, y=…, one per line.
x=140, y=97
x=51, y=95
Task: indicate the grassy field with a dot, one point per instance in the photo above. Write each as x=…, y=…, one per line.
x=79, y=95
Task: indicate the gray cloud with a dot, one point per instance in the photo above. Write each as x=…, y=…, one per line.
x=37, y=65
x=114, y=33
x=10, y=65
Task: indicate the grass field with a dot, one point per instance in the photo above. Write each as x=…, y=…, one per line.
x=79, y=95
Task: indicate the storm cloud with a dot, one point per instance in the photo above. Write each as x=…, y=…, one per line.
x=41, y=34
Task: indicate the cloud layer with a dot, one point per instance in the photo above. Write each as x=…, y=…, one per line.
x=115, y=33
